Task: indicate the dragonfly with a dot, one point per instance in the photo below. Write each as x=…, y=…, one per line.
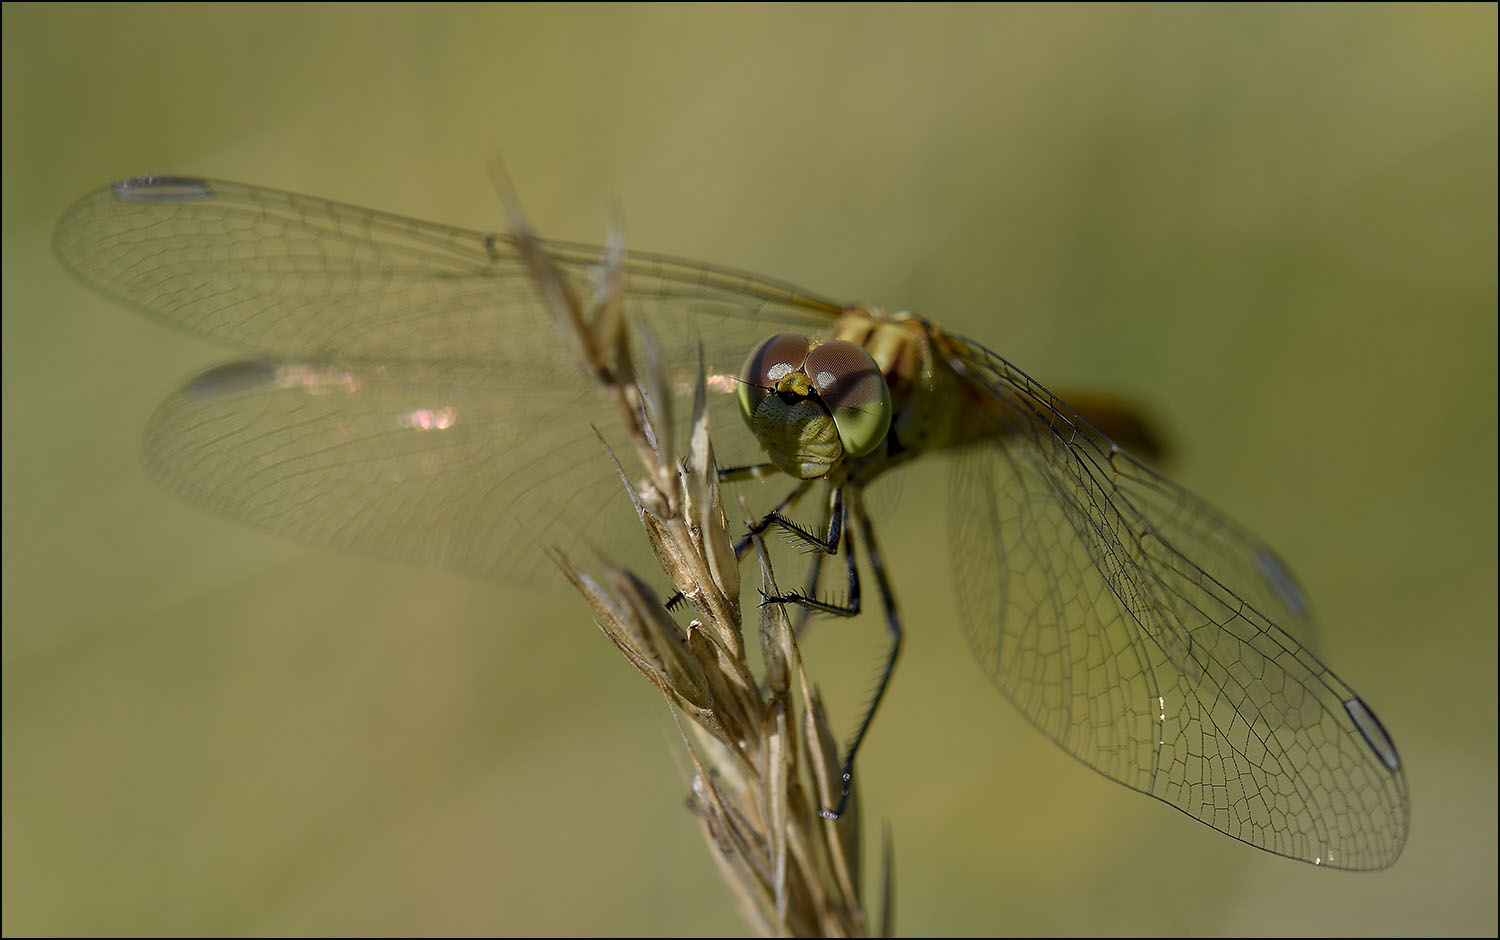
x=401, y=392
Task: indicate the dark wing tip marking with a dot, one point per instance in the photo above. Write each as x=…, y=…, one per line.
x=162, y=189
x=1282, y=582
x=1374, y=733
x=231, y=379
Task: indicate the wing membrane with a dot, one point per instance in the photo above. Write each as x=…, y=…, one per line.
x=410, y=461
x=362, y=322
x=1133, y=624
x=298, y=277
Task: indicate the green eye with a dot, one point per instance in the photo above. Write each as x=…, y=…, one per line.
x=853, y=388
x=767, y=365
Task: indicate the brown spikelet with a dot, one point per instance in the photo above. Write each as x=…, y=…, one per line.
x=762, y=757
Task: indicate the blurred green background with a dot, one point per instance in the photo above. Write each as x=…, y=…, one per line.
x=1275, y=226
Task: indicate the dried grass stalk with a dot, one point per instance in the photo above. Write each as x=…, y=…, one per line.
x=763, y=766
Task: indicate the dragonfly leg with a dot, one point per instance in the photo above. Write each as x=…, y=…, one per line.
x=814, y=575
x=828, y=544
x=743, y=545
x=893, y=627
x=754, y=471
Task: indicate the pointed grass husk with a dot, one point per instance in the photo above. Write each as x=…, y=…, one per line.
x=762, y=755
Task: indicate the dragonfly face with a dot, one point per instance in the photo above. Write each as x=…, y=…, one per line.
x=875, y=394
x=813, y=407
x=401, y=394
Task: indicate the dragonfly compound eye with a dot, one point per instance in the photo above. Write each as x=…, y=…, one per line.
x=855, y=391
x=768, y=364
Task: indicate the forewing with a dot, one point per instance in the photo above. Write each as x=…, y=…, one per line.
x=1136, y=627
x=290, y=276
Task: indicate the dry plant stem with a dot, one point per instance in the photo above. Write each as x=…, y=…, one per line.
x=763, y=758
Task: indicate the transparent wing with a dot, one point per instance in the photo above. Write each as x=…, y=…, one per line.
x=410, y=397
x=297, y=277
x=413, y=461
x=1143, y=631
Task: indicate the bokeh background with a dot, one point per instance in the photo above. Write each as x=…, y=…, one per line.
x=1273, y=225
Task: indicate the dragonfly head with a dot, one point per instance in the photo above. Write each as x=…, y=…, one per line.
x=811, y=405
